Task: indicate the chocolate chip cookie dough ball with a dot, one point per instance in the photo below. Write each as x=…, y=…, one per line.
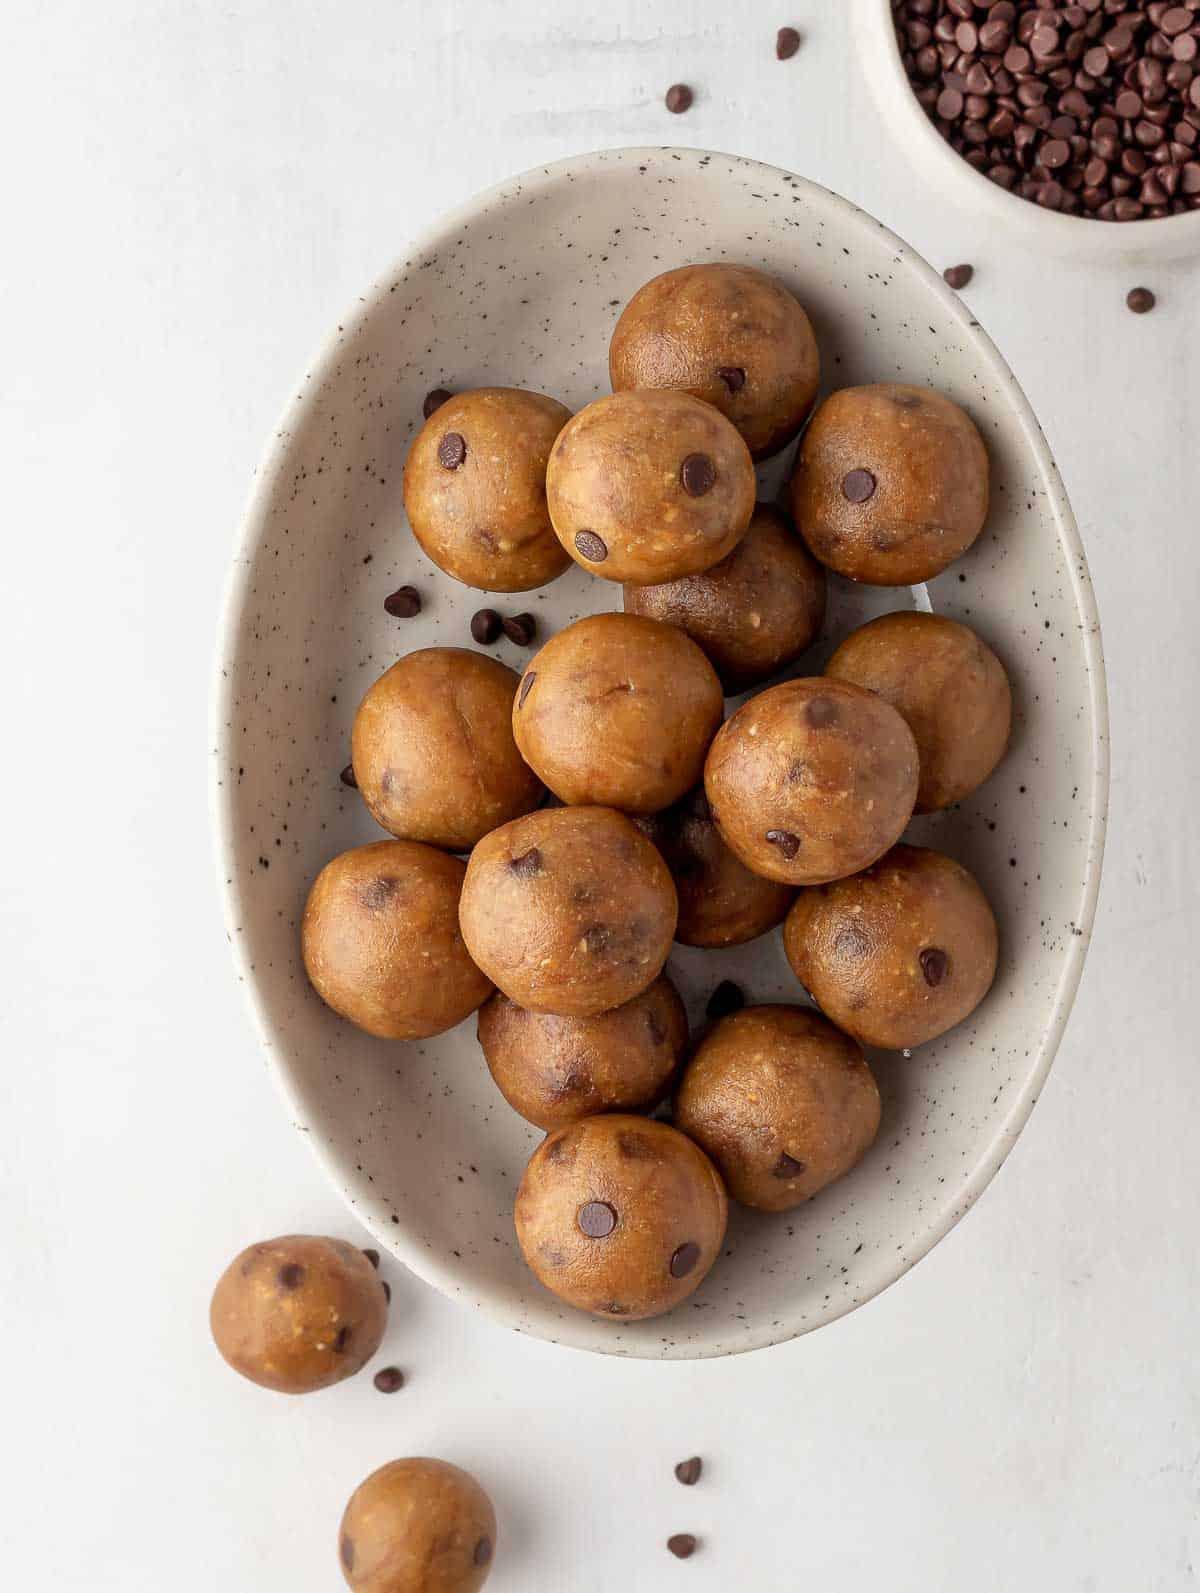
x=569, y=910
x=811, y=780
x=554, y=1070
x=898, y=954
x=297, y=1314
x=754, y=612
x=891, y=484
x=721, y=903
x=620, y=1216
x=417, y=1526
x=475, y=488
x=649, y=486
x=381, y=941
x=730, y=335
x=433, y=749
x=618, y=711
x=949, y=686
x=782, y=1101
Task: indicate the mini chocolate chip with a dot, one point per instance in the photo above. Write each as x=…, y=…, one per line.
x=290, y=1276
x=1140, y=300
x=678, y=98
x=389, y=1381
x=592, y=547
x=726, y=998
x=821, y=713
x=483, y=1551
x=485, y=626
x=348, y=1553
x=347, y=777
x=733, y=376
x=858, y=485
x=697, y=475
x=787, y=1166
x=387, y=1292
x=958, y=276
x=682, y=1545
x=434, y=400
x=688, y=1471
x=787, y=42
x=404, y=603
x=528, y=864
x=526, y=687
x=520, y=629
x=373, y=1257
x=684, y=1259
x=343, y=1338
x=596, y=1219
x=934, y=963
x=377, y=893
x=452, y=450
x=787, y=843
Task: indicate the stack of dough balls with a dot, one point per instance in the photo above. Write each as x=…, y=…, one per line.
x=551, y=836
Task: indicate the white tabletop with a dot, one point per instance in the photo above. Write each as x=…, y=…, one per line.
x=193, y=194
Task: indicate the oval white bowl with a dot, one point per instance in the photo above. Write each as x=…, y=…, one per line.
x=522, y=286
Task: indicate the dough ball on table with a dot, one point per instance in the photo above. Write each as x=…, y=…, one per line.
x=649, y=486
x=475, y=488
x=753, y=613
x=730, y=335
x=433, y=749
x=949, y=686
x=297, y=1314
x=811, y=780
x=782, y=1101
x=417, y=1526
x=381, y=941
x=898, y=954
x=618, y=711
x=891, y=484
x=554, y=1070
x=721, y=903
x=620, y=1216
x=569, y=910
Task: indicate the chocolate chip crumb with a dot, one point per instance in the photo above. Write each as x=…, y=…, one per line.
x=726, y=998
x=688, y=1471
x=342, y=1339
x=684, y=1259
x=347, y=777
x=527, y=865
x=787, y=843
x=434, y=400
x=593, y=548
x=373, y=1257
x=387, y=1292
x=958, y=276
x=403, y=603
x=483, y=1551
x=682, y=1545
x=787, y=42
x=697, y=475
x=858, y=486
x=787, y=1166
x=485, y=626
x=678, y=98
x=934, y=963
x=526, y=687
x=291, y=1276
x=596, y=1219
x=389, y=1381
x=520, y=629
x=452, y=450
x=1140, y=300
x=348, y=1553
x=733, y=376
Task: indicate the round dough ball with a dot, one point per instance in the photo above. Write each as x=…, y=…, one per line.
x=620, y=1216
x=475, y=488
x=417, y=1526
x=721, y=903
x=949, y=686
x=649, y=486
x=891, y=484
x=555, y=1070
x=898, y=954
x=381, y=941
x=782, y=1101
x=433, y=749
x=730, y=335
x=569, y=910
x=618, y=711
x=754, y=612
x=811, y=780
x=297, y=1314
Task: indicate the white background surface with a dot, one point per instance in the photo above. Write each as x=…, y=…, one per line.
x=192, y=194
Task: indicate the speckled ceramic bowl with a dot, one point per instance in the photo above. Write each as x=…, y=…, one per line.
x=522, y=287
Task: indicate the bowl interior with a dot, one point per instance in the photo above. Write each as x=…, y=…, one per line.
x=522, y=287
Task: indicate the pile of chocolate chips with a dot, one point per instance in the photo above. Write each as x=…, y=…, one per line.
x=1092, y=109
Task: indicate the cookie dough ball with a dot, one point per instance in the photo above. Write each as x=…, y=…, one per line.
x=297, y=1314
x=898, y=954
x=620, y=1216
x=381, y=941
x=554, y=1070
x=949, y=686
x=433, y=749
x=891, y=484
x=569, y=910
x=619, y=711
x=811, y=780
x=751, y=614
x=417, y=1526
x=475, y=488
x=649, y=486
x=782, y=1101
x=721, y=903
x=730, y=335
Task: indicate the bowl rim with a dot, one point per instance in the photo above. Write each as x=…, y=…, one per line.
x=1168, y=237
x=254, y=519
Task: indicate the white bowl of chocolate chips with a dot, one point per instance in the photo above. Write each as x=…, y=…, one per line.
x=1075, y=125
x=522, y=287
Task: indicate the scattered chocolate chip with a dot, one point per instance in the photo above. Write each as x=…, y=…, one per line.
x=934, y=963
x=520, y=629
x=452, y=450
x=697, y=475
x=373, y=1257
x=726, y=998
x=787, y=1166
x=434, y=400
x=403, y=603
x=485, y=626
x=527, y=681
x=688, y=1471
x=347, y=777
x=682, y=1545
x=389, y=1381
x=592, y=547
x=787, y=843
x=483, y=1551
x=1140, y=300
x=733, y=376
x=787, y=42
x=291, y=1276
x=958, y=276
x=527, y=865
x=678, y=98
x=387, y=1292
x=684, y=1259
x=596, y=1219
x=858, y=485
